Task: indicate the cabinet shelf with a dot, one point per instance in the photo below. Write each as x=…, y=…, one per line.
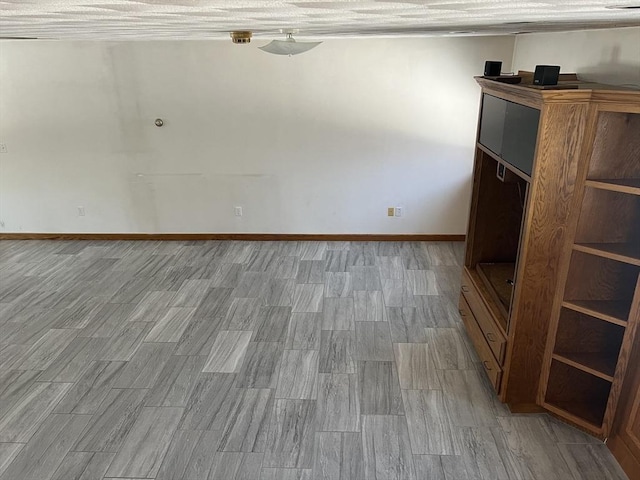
x=601, y=365
x=621, y=185
x=612, y=311
x=585, y=414
x=578, y=394
x=621, y=252
x=600, y=287
x=595, y=353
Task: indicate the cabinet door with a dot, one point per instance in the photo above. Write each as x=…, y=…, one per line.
x=625, y=439
x=625, y=443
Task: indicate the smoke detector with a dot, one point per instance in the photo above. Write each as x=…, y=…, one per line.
x=240, y=37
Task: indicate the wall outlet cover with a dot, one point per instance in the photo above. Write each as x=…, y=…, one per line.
x=398, y=211
x=391, y=212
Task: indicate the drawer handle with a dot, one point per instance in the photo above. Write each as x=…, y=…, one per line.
x=462, y=312
x=490, y=337
x=465, y=288
x=486, y=365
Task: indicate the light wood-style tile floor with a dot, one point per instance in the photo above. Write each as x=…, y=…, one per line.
x=255, y=361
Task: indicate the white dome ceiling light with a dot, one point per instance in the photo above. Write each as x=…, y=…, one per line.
x=288, y=46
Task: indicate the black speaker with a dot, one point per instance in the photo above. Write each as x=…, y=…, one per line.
x=492, y=68
x=546, y=75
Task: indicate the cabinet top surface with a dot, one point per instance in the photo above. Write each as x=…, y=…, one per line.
x=565, y=92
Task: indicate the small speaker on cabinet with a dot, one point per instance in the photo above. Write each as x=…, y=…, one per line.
x=546, y=75
x=492, y=68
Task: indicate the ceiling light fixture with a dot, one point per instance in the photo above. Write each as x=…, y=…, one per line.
x=240, y=38
x=288, y=46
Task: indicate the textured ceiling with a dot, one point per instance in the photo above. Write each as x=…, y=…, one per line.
x=124, y=19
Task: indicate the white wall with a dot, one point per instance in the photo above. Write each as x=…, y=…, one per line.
x=318, y=143
x=606, y=56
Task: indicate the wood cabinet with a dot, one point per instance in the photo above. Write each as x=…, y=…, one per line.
x=590, y=372
x=550, y=294
x=521, y=205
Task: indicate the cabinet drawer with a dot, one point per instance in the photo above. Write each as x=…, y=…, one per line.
x=486, y=321
x=491, y=367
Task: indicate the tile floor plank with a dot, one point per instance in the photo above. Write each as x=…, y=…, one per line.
x=178, y=456
x=430, y=426
x=338, y=284
x=531, y=443
x=337, y=351
x=123, y=345
x=146, y=365
x=386, y=448
x=373, y=342
x=591, y=462
x=338, y=403
x=304, y=331
x=338, y=314
x=171, y=327
x=243, y=314
x=416, y=369
x=291, y=435
x=227, y=352
x=74, y=360
x=285, y=474
x=273, y=323
x=260, y=366
x=41, y=457
x=448, y=349
x=72, y=466
x=91, y=389
x=379, y=389
x=152, y=307
x=176, y=382
x=308, y=298
x=8, y=451
x=311, y=271
x=20, y=423
x=44, y=352
x=203, y=456
x=429, y=467
x=146, y=443
x=298, y=377
x=369, y=307
x=247, y=422
x=406, y=325
x=468, y=403
x=112, y=421
x=210, y=402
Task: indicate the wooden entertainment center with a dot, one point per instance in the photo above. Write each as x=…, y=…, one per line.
x=551, y=284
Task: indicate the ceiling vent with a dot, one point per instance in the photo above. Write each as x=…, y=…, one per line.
x=240, y=37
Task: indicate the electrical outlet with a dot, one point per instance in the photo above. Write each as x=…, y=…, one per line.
x=3, y=148
x=81, y=211
x=238, y=211
x=391, y=212
x=398, y=211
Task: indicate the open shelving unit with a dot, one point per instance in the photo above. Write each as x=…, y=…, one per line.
x=595, y=321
